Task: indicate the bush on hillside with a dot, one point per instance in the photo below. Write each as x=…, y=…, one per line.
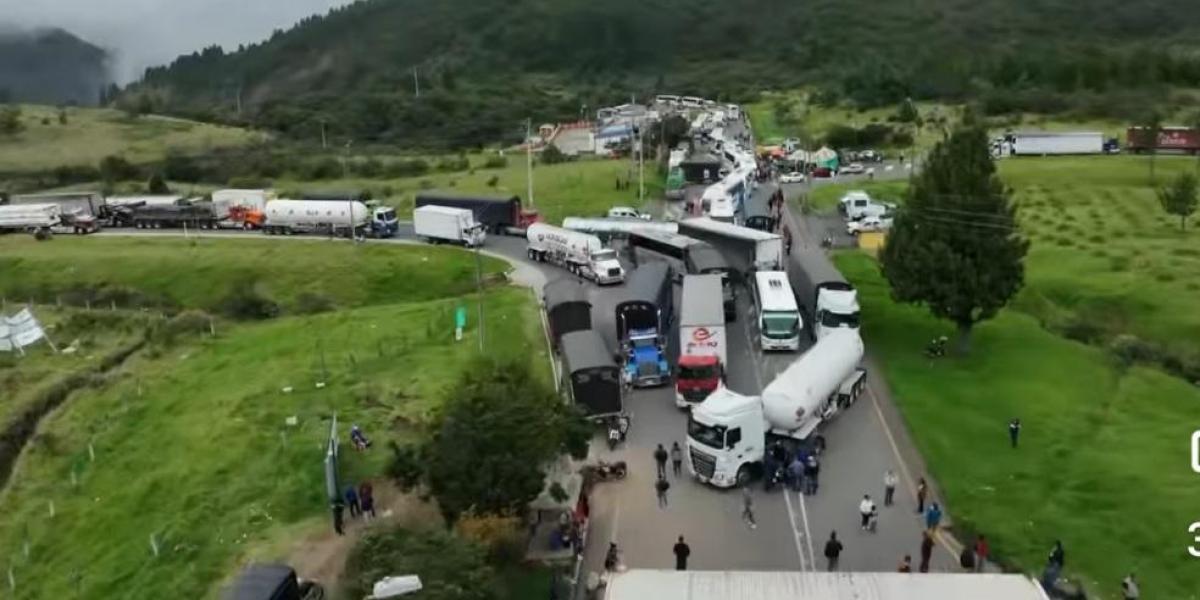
x=496, y=161
x=451, y=568
x=308, y=303
x=157, y=185
x=453, y=163
x=115, y=168
x=552, y=155
x=246, y=302
x=405, y=168
x=500, y=535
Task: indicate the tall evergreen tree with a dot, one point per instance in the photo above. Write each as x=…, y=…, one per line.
x=955, y=246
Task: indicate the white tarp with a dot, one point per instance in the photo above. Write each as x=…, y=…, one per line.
x=640, y=584
x=19, y=331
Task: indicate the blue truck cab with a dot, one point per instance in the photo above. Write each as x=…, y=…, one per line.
x=643, y=317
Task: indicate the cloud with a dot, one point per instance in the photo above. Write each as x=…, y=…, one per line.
x=143, y=33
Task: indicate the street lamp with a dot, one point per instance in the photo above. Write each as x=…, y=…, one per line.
x=474, y=231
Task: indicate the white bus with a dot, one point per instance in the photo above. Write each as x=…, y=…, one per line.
x=779, y=320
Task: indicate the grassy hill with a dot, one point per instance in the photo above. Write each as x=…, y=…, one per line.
x=485, y=65
x=90, y=134
x=222, y=478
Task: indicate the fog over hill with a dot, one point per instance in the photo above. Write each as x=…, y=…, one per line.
x=50, y=66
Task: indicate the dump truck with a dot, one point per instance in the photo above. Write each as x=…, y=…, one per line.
x=729, y=433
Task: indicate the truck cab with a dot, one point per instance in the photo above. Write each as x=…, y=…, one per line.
x=605, y=267
x=697, y=377
x=645, y=359
x=726, y=438
x=837, y=308
x=384, y=222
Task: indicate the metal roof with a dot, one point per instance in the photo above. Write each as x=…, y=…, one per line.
x=562, y=291
x=726, y=229
x=639, y=584
x=585, y=350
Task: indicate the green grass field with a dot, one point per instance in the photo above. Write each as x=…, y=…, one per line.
x=199, y=273
x=578, y=188
x=191, y=441
x=90, y=134
x=1103, y=457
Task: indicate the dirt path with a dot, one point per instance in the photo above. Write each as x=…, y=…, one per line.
x=321, y=555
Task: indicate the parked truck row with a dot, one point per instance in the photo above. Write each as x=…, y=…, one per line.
x=592, y=379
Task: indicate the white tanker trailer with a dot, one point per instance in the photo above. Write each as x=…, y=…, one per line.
x=329, y=217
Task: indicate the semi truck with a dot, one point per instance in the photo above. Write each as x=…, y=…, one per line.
x=579, y=253
x=744, y=248
x=643, y=317
x=1179, y=139
x=729, y=433
x=349, y=218
x=830, y=302
x=241, y=208
x=35, y=218
x=703, y=259
x=168, y=216
x=567, y=307
x=609, y=228
x=703, y=348
x=593, y=378
x=501, y=214
x=1046, y=143
x=439, y=224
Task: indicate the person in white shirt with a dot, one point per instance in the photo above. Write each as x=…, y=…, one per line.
x=889, y=487
x=866, y=508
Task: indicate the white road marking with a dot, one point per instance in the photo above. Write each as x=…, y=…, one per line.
x=796, y=534
x=616, y=520
x=807, y=532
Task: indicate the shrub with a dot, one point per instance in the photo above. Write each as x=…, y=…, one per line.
x=188, y=322
x=552, y=155
x=406, y=168
x=370, y=167
x=1128, y=349
x=493, y=181
x=312, y=302
x=115, y=168
x=499, y=535
x=453, y=163
x=1082, y=329
x=496, y=161
x=451, y=568
x=249, y=182
x=244, y=301
x=157, y=185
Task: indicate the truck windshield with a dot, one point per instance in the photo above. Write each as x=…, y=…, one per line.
x=697, y=372
x=604, y=255
x=832, y=319
x=780, y=324
x=386, y=215
x=644, y=342
x=711, y=436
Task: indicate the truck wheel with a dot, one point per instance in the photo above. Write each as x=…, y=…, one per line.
x=743, y=476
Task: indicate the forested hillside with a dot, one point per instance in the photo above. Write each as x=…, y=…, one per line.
x=484, y=65
x=50, y=67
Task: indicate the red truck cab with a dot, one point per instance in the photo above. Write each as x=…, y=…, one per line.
x=697, y=376
x=527, y=217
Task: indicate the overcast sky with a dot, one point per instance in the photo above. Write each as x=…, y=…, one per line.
x=142, y=33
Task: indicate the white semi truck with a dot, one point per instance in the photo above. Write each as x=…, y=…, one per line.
x=36, y=218
x=580, y=253
x=322, y=216
x=729, y=433
x=439, y=224
x=830, y=301
x=746, y=249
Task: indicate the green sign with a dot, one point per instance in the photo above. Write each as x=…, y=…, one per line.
x=460, y=317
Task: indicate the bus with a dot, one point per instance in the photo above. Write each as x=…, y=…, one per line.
x=779, y=320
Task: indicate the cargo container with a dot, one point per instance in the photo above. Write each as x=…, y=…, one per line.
x=703, y=347
x=445, y=224
x=1042, y=143
x=501, y=214
x=1179, y=139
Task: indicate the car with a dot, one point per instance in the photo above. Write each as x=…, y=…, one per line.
x=853, y=168
x=865, y=224
x=822, y=172
x=793, y=177
x=626, y=212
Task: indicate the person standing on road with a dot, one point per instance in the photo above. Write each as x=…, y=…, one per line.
x=338, y=509
x=926, y=551
x=1054, y=566
x=660, y=488
x=676, y=459
x=865, y=508
x=933, y=516
x=796, y=473
x=905, y=564
x=660, y=459
x=981, y=553
x=352, y=502
x=922, y=490
x=1129, y=588
x=889, y=487
x=966, y=559
x=833, y=549
x=748, y=507
x=682, y=552
x=1014, y=431
x=812, y=472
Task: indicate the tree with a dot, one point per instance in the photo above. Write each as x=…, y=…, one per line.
x=157, y=185
x=552, y=155
x=62, y=116
x=451, y=568
x=10, y=120
x=115, y=168
x=907, y=112
x=1179, y=197
x=955, y=246
x=486, y=449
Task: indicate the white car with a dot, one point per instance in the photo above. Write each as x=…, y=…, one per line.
x=793, y=177
x=852, y=169
x=872, y=223
x=625, y=212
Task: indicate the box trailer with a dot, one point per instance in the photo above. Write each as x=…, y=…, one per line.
x=501, y=214
x=44, y=218
x=446, y=224
x=1177, y=139
x=703, y=347
x=1044, y=143
x=746, y=249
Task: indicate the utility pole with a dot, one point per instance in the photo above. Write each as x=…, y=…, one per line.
x=479, y=287
x=641, y=166
x=324, y=143
x=239, y=99
x=529, y=159
x=416, y=84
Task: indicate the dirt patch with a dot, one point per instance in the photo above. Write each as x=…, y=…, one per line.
x=321, y=556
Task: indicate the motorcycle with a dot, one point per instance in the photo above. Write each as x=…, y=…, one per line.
x=606, y=471
x=936, y=348
x=614, y=435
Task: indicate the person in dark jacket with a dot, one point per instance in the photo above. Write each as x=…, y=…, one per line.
x=922, y=491
x=676, y=459
x=338, y=509
x=366, y=498
x=352, y=501
x=833, y=550
x=1014, y=431
x=926, y=551
x=660, y=488
x=660, y=460
x=682, y=552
